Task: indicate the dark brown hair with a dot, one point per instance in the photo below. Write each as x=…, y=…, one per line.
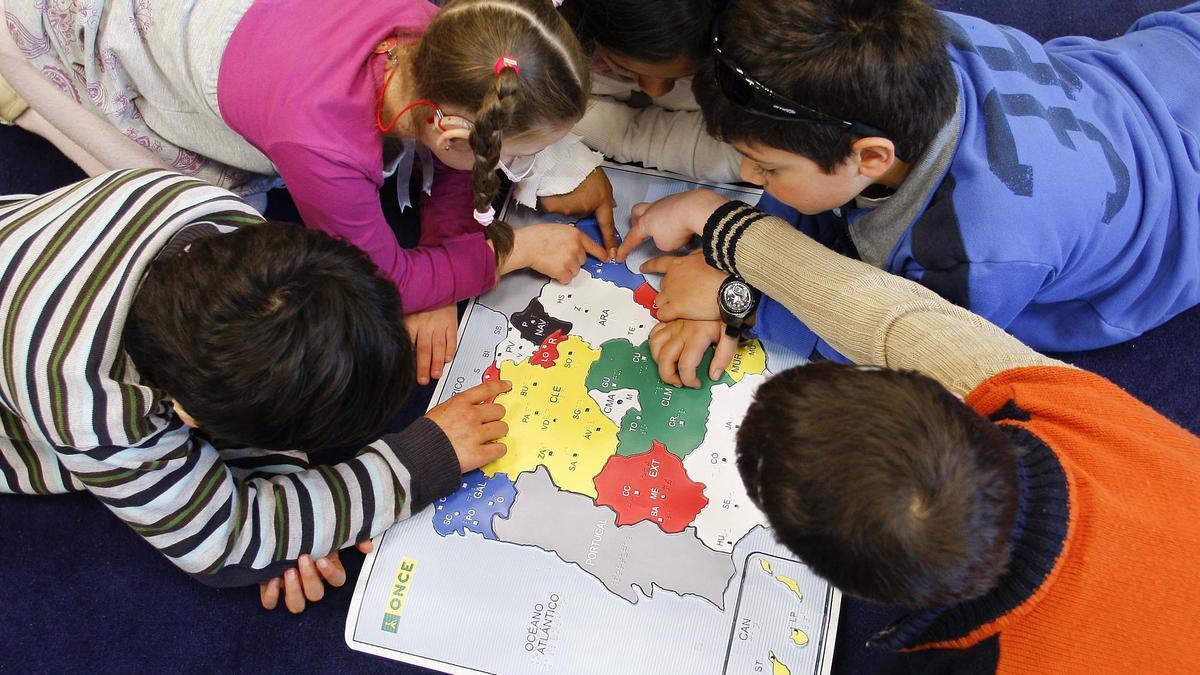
x=454, y=63
x=879, y=62
x=654, y=32
x=274, y=336
x=882, y=481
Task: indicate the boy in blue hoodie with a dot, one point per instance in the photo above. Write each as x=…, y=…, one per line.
x=1052, y=188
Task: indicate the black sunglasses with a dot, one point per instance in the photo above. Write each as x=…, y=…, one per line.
x=748, y=93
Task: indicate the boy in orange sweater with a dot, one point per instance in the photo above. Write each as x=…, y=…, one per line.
x=1045, y=522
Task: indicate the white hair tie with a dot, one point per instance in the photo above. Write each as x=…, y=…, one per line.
x=485, y=218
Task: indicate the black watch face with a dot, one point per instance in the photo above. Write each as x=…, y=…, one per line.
x=736, y=297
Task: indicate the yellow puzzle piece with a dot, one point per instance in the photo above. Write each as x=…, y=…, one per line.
x=553, y=422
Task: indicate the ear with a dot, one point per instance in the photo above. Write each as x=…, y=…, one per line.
x=184, y=416
x=447, y=138
x=874, y=156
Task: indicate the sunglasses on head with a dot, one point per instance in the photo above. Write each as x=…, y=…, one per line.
x=750, y=94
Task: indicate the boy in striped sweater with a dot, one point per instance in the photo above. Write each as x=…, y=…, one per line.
x=168, y=351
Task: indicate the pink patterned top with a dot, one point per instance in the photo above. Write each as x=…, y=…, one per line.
x=299, y=80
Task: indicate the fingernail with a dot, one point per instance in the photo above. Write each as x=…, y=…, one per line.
x=291, y=575
x=323, y=563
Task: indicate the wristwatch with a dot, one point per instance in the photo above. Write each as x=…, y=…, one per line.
x=737, y=301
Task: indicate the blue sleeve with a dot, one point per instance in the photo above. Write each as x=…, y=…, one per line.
x=823, y=227
x=776, y=323
x=1000, y=292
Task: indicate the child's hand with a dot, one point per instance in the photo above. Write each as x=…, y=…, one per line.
x=557, y=250
x=689, y=287
x=593, y=196
x=306, y=581
x=678, y=348
x=435, y=334
x=671, y=221
x=474, y=424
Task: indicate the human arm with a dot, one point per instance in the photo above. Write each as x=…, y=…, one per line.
x=557, y=170
x=671, y=140
x=567, y=179
x=593, y=197
x=866, y=314
x=557, y=250
x=870, y=316
x=229, y=527
x=334, y=196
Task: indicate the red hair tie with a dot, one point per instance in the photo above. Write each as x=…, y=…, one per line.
x=506, y=62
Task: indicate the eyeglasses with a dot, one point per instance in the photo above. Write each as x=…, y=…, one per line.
x=748, y=93
x=518, y=167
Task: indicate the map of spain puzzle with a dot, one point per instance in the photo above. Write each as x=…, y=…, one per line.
x=615, y=534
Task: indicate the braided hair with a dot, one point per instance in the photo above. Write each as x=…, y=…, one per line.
x=542, y=85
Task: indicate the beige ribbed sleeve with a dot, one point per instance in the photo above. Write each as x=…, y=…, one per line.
x=867, y=314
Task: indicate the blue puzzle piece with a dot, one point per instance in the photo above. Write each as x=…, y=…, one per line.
x=617, y=273
x=474, y=505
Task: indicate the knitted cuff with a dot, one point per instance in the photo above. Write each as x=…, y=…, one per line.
x=723, y=231
x=429, y=456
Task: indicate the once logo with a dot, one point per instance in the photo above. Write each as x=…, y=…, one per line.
x=398, y=595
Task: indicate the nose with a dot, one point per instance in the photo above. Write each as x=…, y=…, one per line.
x=748, y=174
x=655, y=86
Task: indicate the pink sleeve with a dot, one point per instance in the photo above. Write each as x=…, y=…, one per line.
x=334, y=196
x=449, y=210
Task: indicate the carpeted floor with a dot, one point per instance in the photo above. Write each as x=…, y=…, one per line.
x=79, y=591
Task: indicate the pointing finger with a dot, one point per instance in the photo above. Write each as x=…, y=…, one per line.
x=594, y=249
x=608, y=229
x=486, y=391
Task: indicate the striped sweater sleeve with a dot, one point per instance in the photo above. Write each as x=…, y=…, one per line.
x=229, y=526
x=75, y=414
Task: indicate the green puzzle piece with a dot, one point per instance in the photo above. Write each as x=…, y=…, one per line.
x=676, y=417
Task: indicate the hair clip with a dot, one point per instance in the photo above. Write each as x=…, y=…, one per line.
x=485, y=218
x=506, y=62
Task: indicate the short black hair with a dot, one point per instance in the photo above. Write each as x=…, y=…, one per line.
x=879, y=62
x=647, y=30
x=882, y=481
x=273, y=336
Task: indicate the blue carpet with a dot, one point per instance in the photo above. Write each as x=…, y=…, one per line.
x=82, y=592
